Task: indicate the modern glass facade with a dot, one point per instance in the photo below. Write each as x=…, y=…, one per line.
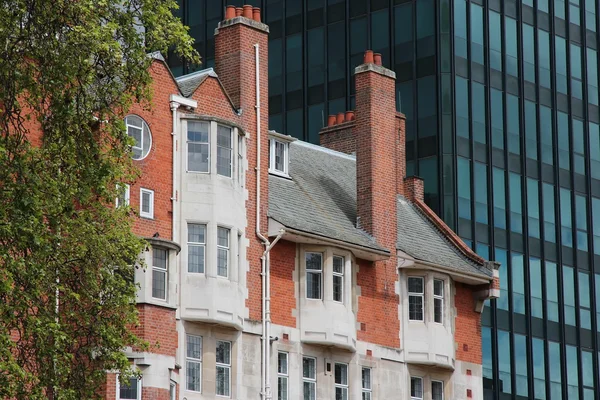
x=503, y=123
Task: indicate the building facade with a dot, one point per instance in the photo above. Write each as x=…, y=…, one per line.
x=279, y=269
x=502, y=122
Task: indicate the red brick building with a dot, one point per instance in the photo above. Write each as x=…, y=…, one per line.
x=283, y=270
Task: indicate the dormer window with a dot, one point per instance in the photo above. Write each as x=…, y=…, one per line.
x=278, y=157
x=279, y=153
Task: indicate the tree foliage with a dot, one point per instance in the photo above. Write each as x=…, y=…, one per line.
x=69, y=71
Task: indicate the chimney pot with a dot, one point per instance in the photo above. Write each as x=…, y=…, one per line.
x=239, y=11
x=230, y=12
x=349, y=116
x=377, y=58
x=368, y=59
x=331, y=120
x=340, y=118
x=247, y=11
x=256, y=14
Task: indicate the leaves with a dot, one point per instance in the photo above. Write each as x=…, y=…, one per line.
x=70, y=70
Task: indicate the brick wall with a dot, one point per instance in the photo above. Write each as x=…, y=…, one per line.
x=376, y=185
x=340, y=138
x=468, y=326
x=156, y=169
x=283, y=301
x=157, y=327
x=151, y=393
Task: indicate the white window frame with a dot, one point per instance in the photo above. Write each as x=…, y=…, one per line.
x=440, y=298
x=197, y=244
x=367, y=389
x=122, y=188
x=164, y=271
x=187, y=147
x=340, y=385
x=315, y=272
x=139, y=390
x=190, y=359
x=272, y=147
x=339, y=275
x=416, y=294
x=283, y=375
x=422, y=388
x=312, y=381
x=150, y=213
x=225, y=249
x=225, y=366
x=144, y=127
x=441, y=383
x=230, y=149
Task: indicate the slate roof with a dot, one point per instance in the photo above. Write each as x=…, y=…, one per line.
x=421, y=239
x=190, y=82
x=320, y=197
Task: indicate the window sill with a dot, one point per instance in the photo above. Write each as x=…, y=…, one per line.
x=279, y=174
x=150, y=218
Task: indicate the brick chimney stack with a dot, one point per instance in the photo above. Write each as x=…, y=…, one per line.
x=377, y=144
x=237, y=39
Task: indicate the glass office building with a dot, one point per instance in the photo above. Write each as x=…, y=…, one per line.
x=501, y=100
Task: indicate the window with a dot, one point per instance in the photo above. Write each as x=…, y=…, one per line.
x=314, y=275
x=535, y=290
x=122, y=195
x=146, y=203
x=240, y=162
x=223, y=368
x=504, y=361
x=224, y=150
x=539, y=376
x=159, y=273
x=222, y=252
x=138, y=129
x=198, y=146
x=416, y=388
x=572, y=373
x=437, y=390
x=551, y=291
x=196, y=247
x=282, y=376
x=367, y=386
x=278, y=156
x=130, y=390
x=569, y=295
x=520, y=357
x=415, y=298
x=555, y=363
x=438, y=301
x=193, y=363
x=341, y=381
x=309, y=378
x=338, y=278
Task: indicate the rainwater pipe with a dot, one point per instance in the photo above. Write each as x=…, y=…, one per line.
x=265, y=272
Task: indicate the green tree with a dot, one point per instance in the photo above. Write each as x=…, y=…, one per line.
x=70, y=69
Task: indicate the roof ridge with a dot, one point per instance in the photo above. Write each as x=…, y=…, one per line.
x=448, y=233
x=324, y=150
x=206, y=71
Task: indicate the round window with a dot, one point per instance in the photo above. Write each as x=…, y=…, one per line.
x=138, y=129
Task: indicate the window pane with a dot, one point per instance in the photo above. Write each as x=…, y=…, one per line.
x=415, y=285
x=159, y=279
x=437, y=390
x=341, y=374
x=314, y=261
x=223, y=353
x=337, y=288
x=129, y=390
x=366, y=378
x=309, y=368
x=520, y=355
x=416, y=388
x=222, y=384
x=313, y=285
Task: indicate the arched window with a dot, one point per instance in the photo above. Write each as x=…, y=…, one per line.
x=138, y=129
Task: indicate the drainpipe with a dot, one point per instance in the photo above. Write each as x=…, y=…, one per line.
x=265, y=384
x=174, y=107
